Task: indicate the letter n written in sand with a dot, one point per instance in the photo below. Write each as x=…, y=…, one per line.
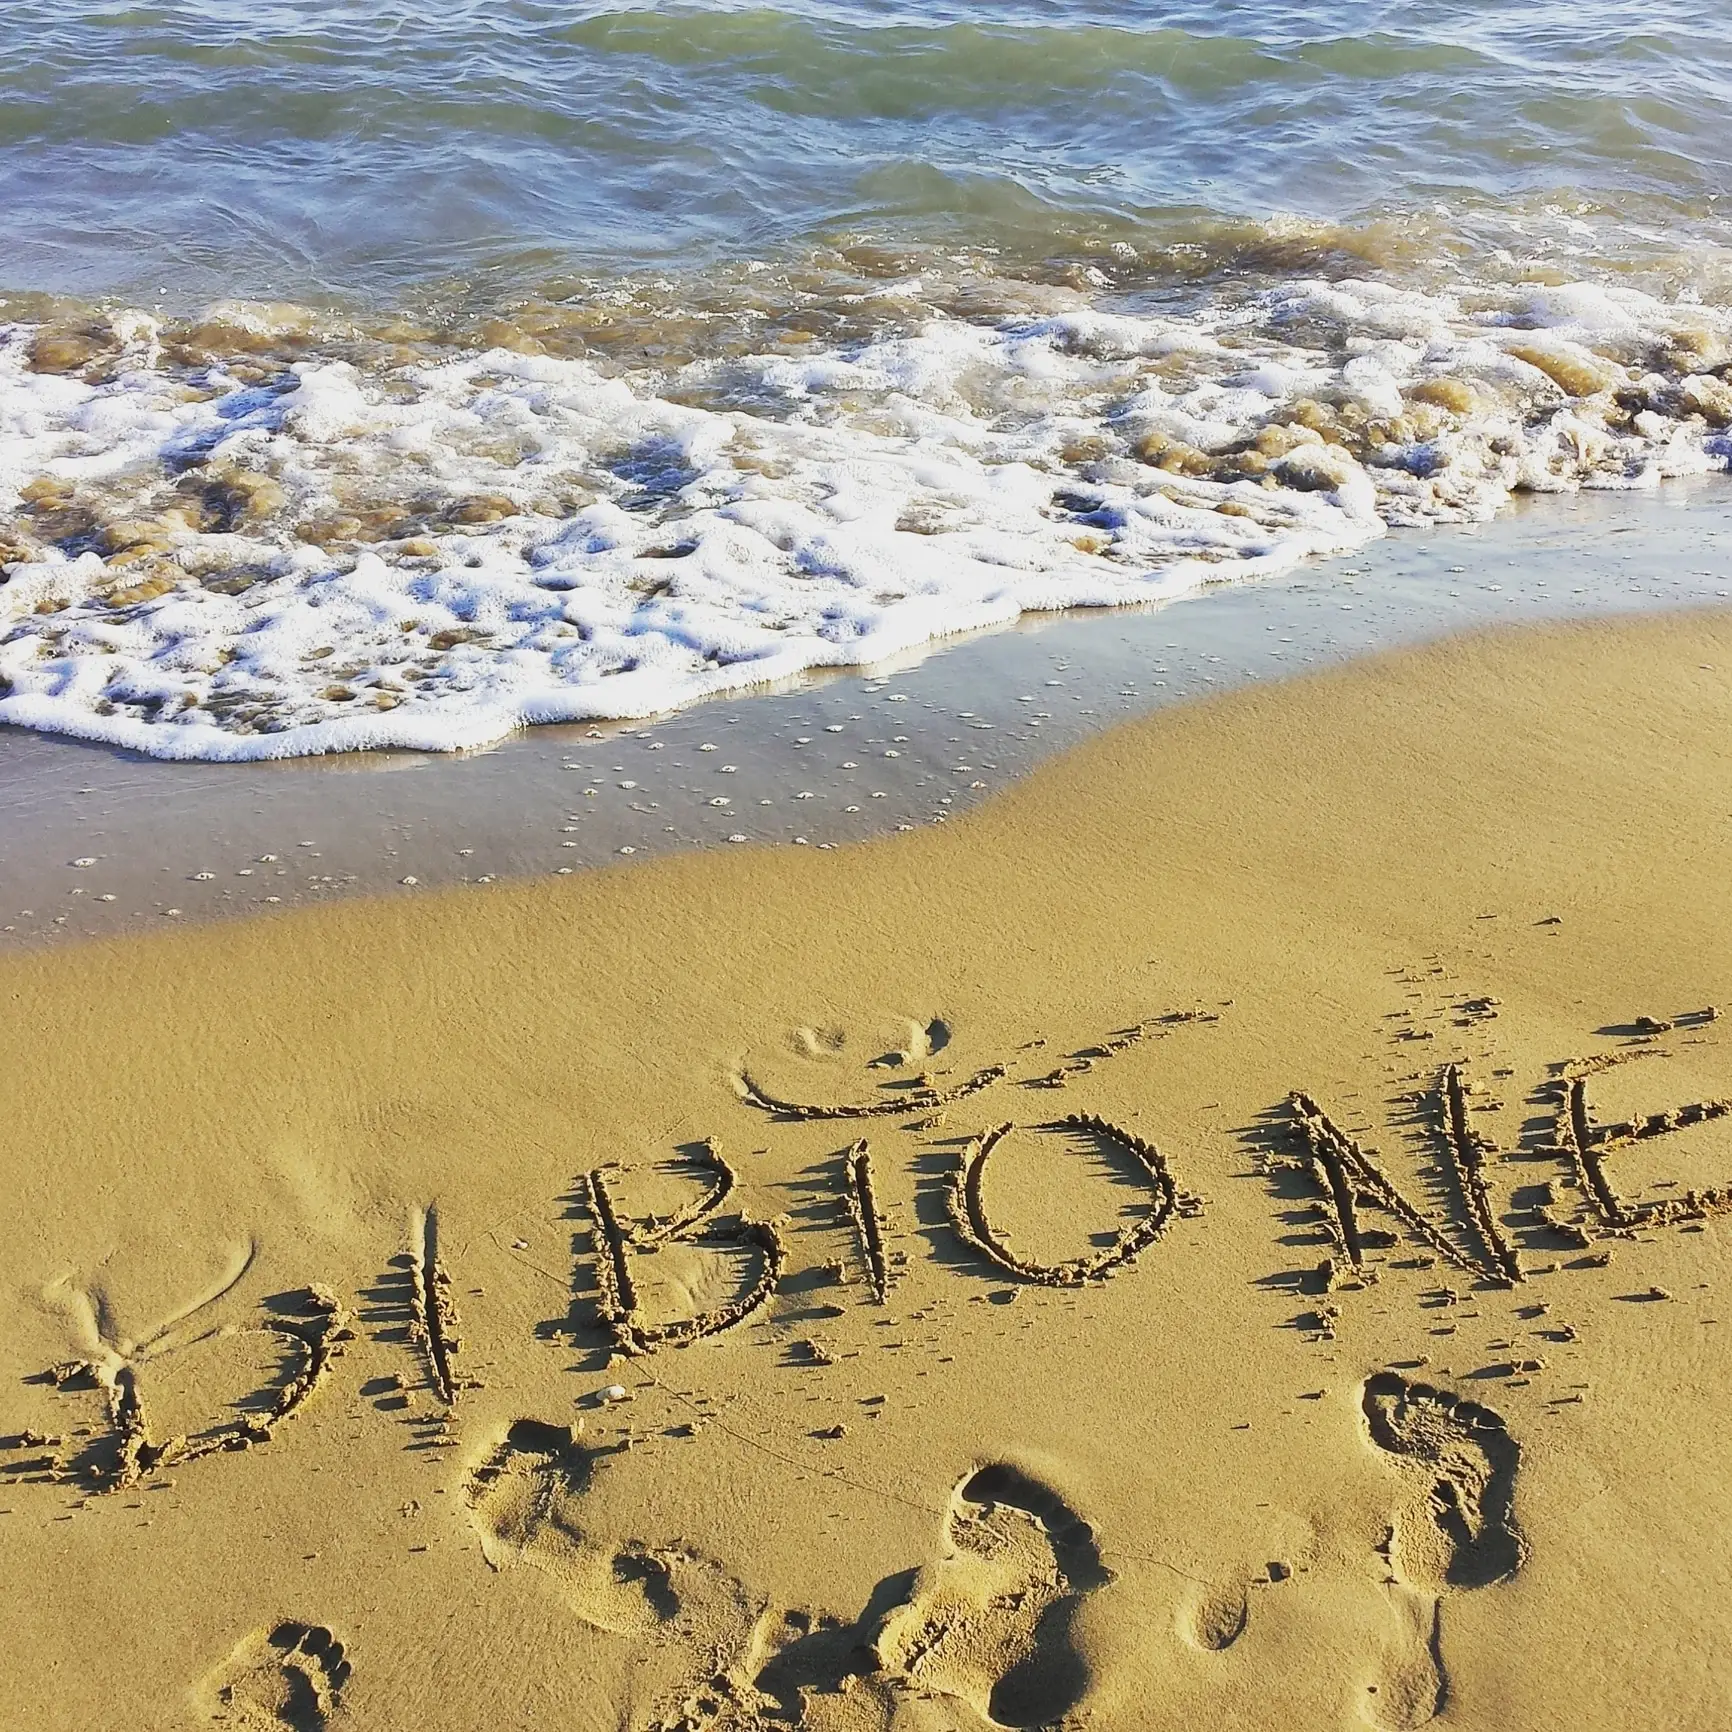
x=1351, y=1179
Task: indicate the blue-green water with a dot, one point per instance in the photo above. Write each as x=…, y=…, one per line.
x=368, y=149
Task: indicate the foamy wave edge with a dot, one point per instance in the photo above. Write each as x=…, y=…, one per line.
x=210, y=556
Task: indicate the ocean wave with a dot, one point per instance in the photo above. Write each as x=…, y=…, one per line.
x=264, y=535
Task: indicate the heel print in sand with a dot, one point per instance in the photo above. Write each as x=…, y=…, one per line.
x=290, y=1677
x=1457, y=1531
x=989, y=1619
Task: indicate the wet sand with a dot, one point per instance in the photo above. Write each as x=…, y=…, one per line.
x=1230, y=1232
x=821, y=765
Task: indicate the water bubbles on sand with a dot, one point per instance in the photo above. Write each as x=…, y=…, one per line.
x=84, y=860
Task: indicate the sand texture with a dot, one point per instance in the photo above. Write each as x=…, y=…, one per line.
x=1229, y=1234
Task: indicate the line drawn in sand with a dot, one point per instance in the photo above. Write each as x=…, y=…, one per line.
x=870, y=1227
x=1585, y=1145
x=923, y=1095
x=1458, y=1530
x=433, y=1320
x=287, y=1679
x=308, y=1329
x=927, y=1093
x=1349, y=1178
x=968, y=1213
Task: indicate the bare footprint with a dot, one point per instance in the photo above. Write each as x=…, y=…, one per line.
x=1462, y=1534
x=989, y=1620
x=526, y=1502
x=291, y=1676
x=1458, y=1531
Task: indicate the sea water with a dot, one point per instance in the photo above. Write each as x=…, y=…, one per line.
x=381, y=374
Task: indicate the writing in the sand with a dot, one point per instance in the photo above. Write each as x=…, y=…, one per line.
x=1357, y=1208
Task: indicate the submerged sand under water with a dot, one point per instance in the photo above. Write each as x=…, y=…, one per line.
x=1231, y=1230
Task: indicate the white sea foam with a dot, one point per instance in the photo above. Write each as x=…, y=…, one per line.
x=644, y=540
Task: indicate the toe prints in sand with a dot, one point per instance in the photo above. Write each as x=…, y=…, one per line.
x=289, y=1678
x=1454, y=1531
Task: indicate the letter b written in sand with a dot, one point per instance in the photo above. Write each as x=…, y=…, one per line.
x=616, y=1239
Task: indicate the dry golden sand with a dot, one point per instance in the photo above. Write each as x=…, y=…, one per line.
x=1167, y=1498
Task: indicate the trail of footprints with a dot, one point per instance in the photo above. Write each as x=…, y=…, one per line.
x=986, y=1621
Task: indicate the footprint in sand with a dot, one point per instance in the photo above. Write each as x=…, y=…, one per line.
x=1458, y=1530
x=988, y=1621
x=525, y=1500
x=292, y=1676
x=1218, y=1616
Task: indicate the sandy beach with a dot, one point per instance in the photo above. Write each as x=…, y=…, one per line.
x=1225, y=1233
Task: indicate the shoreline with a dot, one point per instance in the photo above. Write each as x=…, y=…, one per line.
x=831, y=762
x=1493, y=856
